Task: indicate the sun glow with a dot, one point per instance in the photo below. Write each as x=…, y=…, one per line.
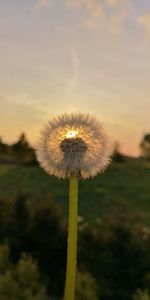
x=71, y=134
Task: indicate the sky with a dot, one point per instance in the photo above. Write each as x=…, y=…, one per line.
x=89, y=56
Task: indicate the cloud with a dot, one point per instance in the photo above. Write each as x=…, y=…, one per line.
x=93, y=8
x=116, y=21
x=19, y=113
x=115, y=2
x=23, y=100
x=112, y=2
x=97, y=12
x=73, y=3
x=40, y=4
x=144, y=21
x=73, y=80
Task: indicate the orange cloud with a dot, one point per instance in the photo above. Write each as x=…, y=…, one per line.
x=97, y=13
x=116, y=21
x=112, y=2
x=118, y=2
x=40, y=4
x=73, y=3
x=94, y=9
x=144, y=21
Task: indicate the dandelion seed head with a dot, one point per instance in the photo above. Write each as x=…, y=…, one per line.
x=71, y=134
x=73, y=144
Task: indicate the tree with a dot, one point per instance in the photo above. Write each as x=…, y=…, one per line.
x=21, y=281
x=3, y=146
x=145, y=146
x=117, y=156
x=117, y=258
x=21, y=145
x=22, y=151
x=38, y=230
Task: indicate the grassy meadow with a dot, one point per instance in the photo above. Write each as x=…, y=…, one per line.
x=115, y=211
x=124, y=187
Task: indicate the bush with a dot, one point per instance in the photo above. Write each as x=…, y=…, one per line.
x=86, y=287
x=141, y=295
x=37, y=231
x=113, y=256
x=20, y=282
x=117, y=258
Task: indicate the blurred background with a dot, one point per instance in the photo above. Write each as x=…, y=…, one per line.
x=89, y=56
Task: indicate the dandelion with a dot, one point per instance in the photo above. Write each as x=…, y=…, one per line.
x=74, y=146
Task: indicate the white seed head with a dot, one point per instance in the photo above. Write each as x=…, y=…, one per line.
x=73, y=144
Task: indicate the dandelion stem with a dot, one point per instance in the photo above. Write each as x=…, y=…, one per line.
x=72, y=240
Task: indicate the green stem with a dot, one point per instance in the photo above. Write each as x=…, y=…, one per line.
x=72, y=239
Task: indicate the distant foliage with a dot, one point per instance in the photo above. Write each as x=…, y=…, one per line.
x=117, y=155
x=18, y=153
x=145, y=146
x=3, y=146
x=21, y=145
x=21, y=281
x=22, y=151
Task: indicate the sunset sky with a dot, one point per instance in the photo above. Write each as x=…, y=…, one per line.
x=75, y=55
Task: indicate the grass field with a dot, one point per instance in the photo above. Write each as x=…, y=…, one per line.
x=122, y=188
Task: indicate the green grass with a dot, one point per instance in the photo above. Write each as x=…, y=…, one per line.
x=123, y=187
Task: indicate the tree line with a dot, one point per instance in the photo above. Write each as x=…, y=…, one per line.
x=22, y=152
x=19, y=152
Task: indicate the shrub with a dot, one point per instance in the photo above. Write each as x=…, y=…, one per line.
x=142, y=295
x=21, y=281
x=117, y=258
x=37, y=231
x=86, y=287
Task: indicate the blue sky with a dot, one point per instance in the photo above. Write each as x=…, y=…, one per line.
x=75, y=55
